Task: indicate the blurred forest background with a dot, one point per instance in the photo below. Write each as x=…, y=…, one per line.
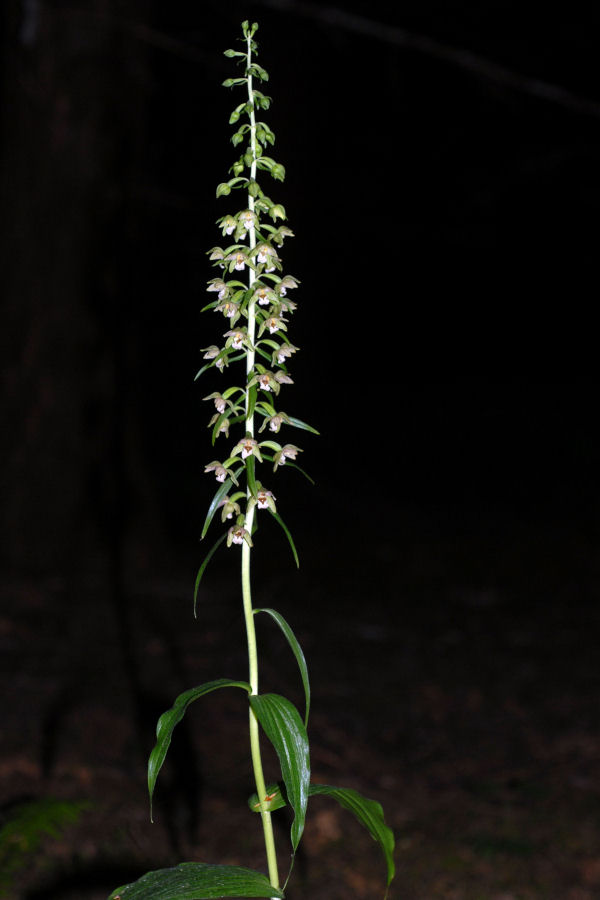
x=443, y=183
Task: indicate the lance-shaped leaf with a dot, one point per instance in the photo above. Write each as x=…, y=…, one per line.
x=298, y=423
x=197, y=881
x=368, y=812
x=215, y=503
x=298, y=653
x=283, y=726
x=202, y=568
x=170, y=718
x=288, y=534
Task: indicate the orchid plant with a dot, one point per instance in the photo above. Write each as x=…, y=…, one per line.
x=252, y=295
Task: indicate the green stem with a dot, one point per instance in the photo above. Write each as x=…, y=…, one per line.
x=249, y=521
x=259, y=777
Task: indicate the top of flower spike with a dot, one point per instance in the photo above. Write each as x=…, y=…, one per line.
x=260, y=299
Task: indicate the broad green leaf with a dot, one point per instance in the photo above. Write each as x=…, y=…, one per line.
x=202, y=568
x=297, y=651
x=283, y=726
x=273, y=799
x=278, y=519
x=197, y=881
x=170, y=718
x=368, y=812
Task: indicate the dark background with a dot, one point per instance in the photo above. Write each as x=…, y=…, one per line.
x=443, y=185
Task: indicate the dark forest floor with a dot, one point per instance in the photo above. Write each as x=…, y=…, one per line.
x=455, y=674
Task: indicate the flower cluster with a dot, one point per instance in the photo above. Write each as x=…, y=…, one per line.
x=252, y=295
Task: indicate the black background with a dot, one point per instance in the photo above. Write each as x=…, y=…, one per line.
x=443, y=187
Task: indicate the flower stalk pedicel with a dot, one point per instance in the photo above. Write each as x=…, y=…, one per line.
x=251, y=297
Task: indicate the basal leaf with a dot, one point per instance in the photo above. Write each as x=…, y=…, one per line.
x=368, y=812
x=170, y=718
x=283, y=726
x=197, y=881
x=298, y=653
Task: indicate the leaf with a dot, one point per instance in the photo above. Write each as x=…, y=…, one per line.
x=252, y=394
x=368, y=812
x=217, y=426
x=278, y=519
x=202, y=568
x=220, y=493
x=197, y=881
x=298, y=423
x=272, y=445
x=297, y=651
x=168, y=721
x=288, y=464
x=250, y=476
x=283, y=726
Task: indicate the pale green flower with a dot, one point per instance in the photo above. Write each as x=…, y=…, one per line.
x=265, y=500
x=237, y=534
x=288, y=451
x=219, y=469
x=247, y=219
x=229, y=508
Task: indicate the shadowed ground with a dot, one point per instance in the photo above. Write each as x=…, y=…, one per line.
x=455, y=679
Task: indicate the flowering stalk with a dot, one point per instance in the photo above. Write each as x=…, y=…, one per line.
x=257, y=312
x=258, y=263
